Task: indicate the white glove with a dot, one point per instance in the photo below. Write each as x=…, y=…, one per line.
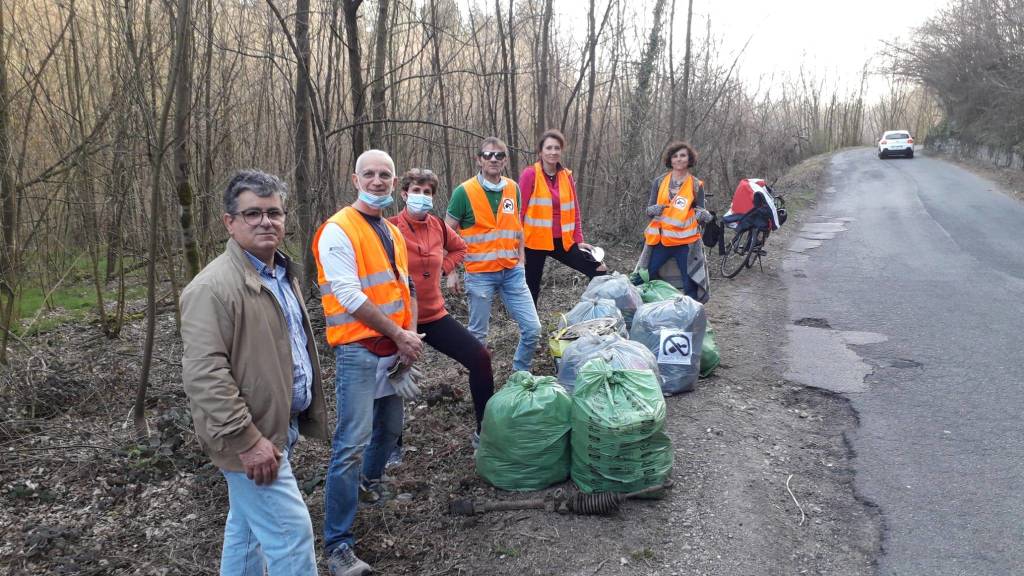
x=404, y=381
x=703, y=216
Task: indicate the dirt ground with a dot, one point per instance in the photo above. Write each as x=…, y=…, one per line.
x=762, y=475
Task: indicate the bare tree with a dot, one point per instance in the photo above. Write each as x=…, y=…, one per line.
x=442, y=96
x=8, y=225
x=182, y=122
x=378, y=105
x=302, y=142
x=355, y=71
x=158, y=146
x=544, y=70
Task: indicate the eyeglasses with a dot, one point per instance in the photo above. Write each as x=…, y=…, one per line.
x=384, y=175
x=421, y=172
x=254, y=216
x=492, y=155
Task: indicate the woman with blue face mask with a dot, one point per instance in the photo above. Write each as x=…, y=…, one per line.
x=436, y=250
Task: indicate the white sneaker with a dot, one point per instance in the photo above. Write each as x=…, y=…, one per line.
x=343, y=562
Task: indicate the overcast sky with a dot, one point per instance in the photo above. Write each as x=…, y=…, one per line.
x=835, y=36
x=831, y=37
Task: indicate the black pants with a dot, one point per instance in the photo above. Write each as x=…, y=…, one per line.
x=574, y=258
x=452, y=339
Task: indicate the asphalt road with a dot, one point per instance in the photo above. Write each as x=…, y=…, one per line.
x=906, y=293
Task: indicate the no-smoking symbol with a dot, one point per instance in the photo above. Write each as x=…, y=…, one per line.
x=676, y=347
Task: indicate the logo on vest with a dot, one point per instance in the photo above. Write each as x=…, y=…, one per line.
x=680, y=203
x=508, y=206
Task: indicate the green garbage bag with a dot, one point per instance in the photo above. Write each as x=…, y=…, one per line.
x=655, y=290
x=524, y=440
x=709, y=357
x=619, y=442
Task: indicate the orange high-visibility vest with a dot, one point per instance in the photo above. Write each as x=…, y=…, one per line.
x=539, y=214
x=376, y=276
x=677, y=224
x=492, y=242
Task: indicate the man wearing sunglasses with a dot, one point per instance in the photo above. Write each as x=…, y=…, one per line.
x=250, y=369
x=485, y=211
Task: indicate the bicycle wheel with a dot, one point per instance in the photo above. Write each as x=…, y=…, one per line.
x=737, y=251
x=757, y=248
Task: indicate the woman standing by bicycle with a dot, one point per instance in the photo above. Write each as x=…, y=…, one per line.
x=676, y=208
x=551, y=219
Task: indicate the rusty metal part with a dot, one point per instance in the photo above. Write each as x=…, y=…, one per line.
x=470, y=507
x=579, y=503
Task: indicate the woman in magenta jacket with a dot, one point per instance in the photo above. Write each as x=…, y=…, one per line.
x=551, y=215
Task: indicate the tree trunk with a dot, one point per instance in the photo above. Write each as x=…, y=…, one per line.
x=8, y=225
x=506, y=79
x=182, y=121
x=686, y=72
x=514, y=137
x=378, y=103
x=355, y=72
x=640, y=103
x=156, y=153
x=542, y=82
x=442, y=97
x=82, y=183
x=673, y=100
x=302, y=141
x=583, y=169
x=206, y=205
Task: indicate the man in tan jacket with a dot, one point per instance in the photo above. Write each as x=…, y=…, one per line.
x=252, y=375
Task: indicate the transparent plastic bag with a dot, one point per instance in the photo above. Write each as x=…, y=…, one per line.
x=561, y=338
x=615, y=287
x=617, y=351
x=673, y=330
x=588, y=309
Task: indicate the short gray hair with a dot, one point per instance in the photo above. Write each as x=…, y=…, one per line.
x=255, y=181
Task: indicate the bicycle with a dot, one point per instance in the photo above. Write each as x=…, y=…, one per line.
x=747, y=244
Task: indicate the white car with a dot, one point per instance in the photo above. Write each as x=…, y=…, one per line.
x=896, y=143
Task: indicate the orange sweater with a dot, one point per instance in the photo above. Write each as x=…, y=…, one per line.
x=434, y=248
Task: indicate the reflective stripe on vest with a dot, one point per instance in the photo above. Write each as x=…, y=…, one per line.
x=376, y=278
x=675, y=226
x=492, y=242
x=539, y=217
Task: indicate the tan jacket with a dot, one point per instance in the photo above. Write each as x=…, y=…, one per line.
x=237, y=361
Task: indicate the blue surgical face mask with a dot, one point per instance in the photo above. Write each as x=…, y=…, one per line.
x=419, y=203
x=490, y=186
x=378, y=202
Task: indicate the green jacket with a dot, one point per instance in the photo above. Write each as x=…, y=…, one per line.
x=236, y=366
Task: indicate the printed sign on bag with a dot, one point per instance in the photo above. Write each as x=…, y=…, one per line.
x=508, y=206
x=676, y=347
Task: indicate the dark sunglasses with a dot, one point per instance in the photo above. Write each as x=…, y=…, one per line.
x=492, y=155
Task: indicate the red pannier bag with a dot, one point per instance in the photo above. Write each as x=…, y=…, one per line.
x=743, y=197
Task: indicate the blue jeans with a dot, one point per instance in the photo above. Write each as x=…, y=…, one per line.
x=661, y=254
x=387, y=427
x=510, y=284
x=268, y=525
x=360, y=419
